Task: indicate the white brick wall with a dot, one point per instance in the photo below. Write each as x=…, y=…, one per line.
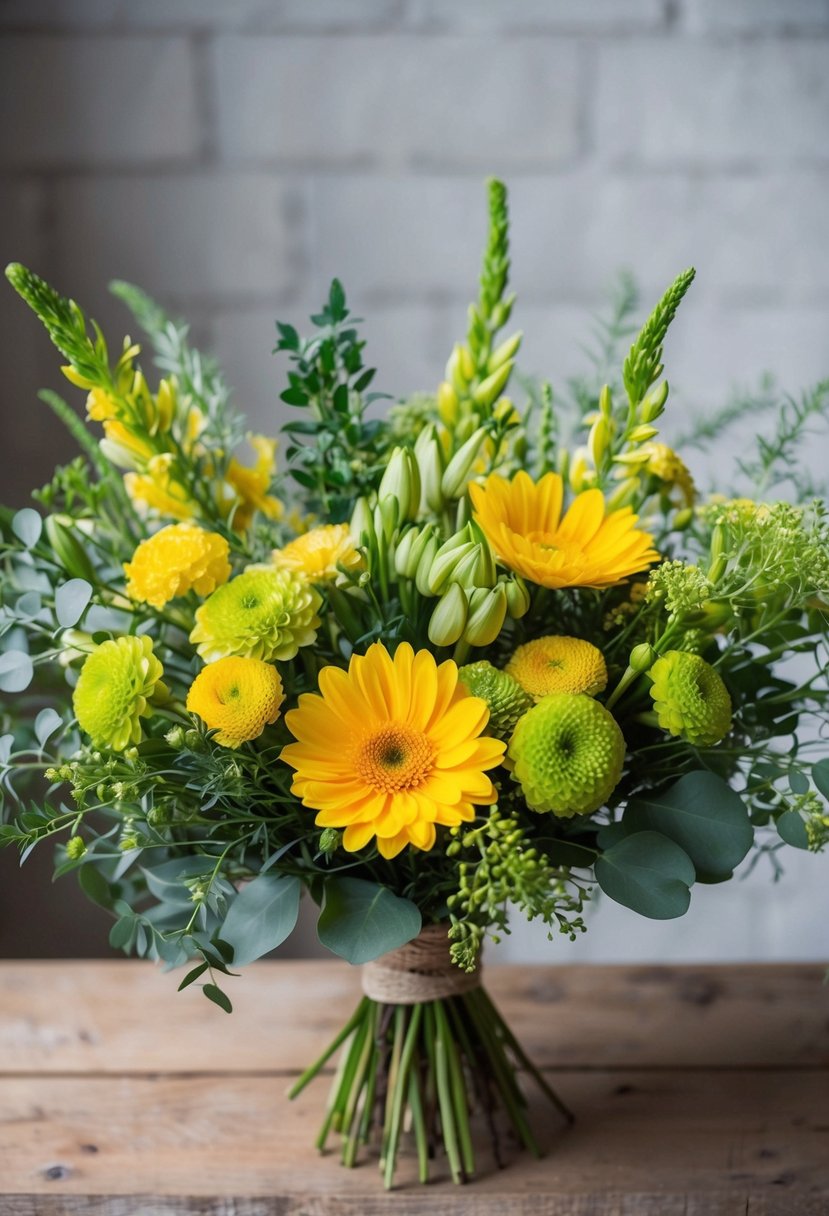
x=234, y=155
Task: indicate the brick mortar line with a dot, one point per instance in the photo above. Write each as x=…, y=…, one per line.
x=612, y=35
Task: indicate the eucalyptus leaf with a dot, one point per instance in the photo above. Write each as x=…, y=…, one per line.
x=792, y=829
x=27, y=526
x=16, y=671
x=28, y=605
x=95, y=886
x=820, y=776
x=218, y=997
x=703, y=815
x=648, y=873
x=46, y=723
x=6, y=745
x=261, y=916
x=361, y=920
x=166, y=881
x=71, y=600
x=798, y=782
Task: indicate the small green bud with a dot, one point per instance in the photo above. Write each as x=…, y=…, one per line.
x=386, y=518
x=598, y=440
x=518, y=597
x=329, y=840
x=430, y=461
x=401, y=481
x=642, y=657
x=194, y=742
x=490, y=389
x=606, y=402
x=75, y=848
x=683, y=519
x=487, y=611
x=507, y=350
x=641, y=434
x=51, y=774
x=67, y=548
x=175, y=737
x=447, y=558
x=449, y=617
x=362, y=522
x=458, y=470
x=653, y=403
x=426, y=557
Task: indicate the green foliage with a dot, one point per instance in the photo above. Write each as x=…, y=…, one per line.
x=361, y=920
x=261, y=916
x=643, y=365
x=649, y=873
x=703, y=815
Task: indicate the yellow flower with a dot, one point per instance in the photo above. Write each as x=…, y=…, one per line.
x=390, y=748
x=318, y=554
x=250, y=485
x=262, y=614
x=558, y=664
x=523, y=522
x=663, y=463
x=236, y=697
x=178, y=559
x=115, y=685
x=157, y=490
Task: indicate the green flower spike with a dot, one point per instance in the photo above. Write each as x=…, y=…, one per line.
x=505, y=697
x=263, y=613
x=568, y=754
x=690, y=698
x=113, y=690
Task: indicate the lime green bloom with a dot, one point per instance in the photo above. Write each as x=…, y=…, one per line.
x=113, y=690
x=568, y=754
x=690, y=698
x=505, y=697
x=263, y=613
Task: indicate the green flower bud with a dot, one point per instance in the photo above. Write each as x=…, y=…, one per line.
x=598, y=440
x=606, y=402
x=641, y=434
x=175, y=737
x=446, y=559
x=449, y=617
x=683, y=519
x=518, y=597
x=430, y=461
x=408, y=556
x=362, y=523
x=642, y=657
x=503, y=353
x=386, y=518
x=67, y=548
x=329, y=840
x=487, y=612
x=653, y=402
x=490, y=389
x=427, y=557
x=75, y=848
x=690, y=698
x=401, y=482
x=448, y=404
x=460, y=466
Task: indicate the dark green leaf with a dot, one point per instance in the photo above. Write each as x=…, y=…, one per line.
x=95, y=886
x=218, y=997
x=820, y=776
x=361, y=920
x=703, y=815
x=798, y=782
x=193, y=975
x=792, y=829
x=261, y=916
x=294, y=396
x=648, y=873
x=122, y=933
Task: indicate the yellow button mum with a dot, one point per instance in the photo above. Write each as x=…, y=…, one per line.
x=318, y=554
x=114, y=689
x=586, y=547
x=178, y=559
x=558, y=664
x=390, y=748
x=236, y=697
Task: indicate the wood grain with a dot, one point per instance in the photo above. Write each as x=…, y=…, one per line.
x=126, y=1017
x=698, y=1092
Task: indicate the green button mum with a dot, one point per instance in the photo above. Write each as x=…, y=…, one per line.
x=113, y=690
x=690, y=698
x=568, y=754
x=263, y=613
x=505, y=697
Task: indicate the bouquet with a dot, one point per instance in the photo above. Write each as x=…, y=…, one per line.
x=462, y=656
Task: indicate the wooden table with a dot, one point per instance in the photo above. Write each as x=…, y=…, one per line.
x=697, y=1090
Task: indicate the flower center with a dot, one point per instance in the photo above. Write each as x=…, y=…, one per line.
x=544, y=540
x=395, y=757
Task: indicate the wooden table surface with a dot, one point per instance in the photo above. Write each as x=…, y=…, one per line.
x=697, y=1090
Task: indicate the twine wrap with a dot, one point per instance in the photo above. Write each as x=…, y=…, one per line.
x=422, y=970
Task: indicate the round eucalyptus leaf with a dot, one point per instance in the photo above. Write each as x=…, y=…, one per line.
x=71, y=600
x=361, y=920
x=16, y=671
x=648, y=873
x=27, y=526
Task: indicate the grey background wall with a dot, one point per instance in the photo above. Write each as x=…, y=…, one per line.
x=233, y=155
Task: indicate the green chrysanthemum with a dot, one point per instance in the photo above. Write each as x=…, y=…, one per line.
x=262, y=614
x=690, y=698
x=568, y=754
x=113, y=689
x=505, y=697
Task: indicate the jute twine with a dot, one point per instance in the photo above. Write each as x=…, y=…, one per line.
x=419, y=971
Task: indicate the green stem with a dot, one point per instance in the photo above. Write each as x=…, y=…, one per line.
x=319, y=1064
x=401, y=1088
x=445, y=1103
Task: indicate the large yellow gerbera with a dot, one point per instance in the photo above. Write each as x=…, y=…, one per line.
x=390, y=748
x=522, y=521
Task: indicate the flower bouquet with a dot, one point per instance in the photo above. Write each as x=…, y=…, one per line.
x=458, y=657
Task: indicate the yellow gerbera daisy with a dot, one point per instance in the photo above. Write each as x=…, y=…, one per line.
x=390, y=748
x=237, y=697
x=318, y=554
x=558, y=664
x=522, y=520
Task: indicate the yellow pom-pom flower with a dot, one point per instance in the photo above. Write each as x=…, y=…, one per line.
x=263, y=613
x=320, y=554
x=587, y=547
x=690, y=698
x=390, y=748
x=178, y=559
x=558, y=664
x=113, y=691
x=236, y=697
x=568, y=754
